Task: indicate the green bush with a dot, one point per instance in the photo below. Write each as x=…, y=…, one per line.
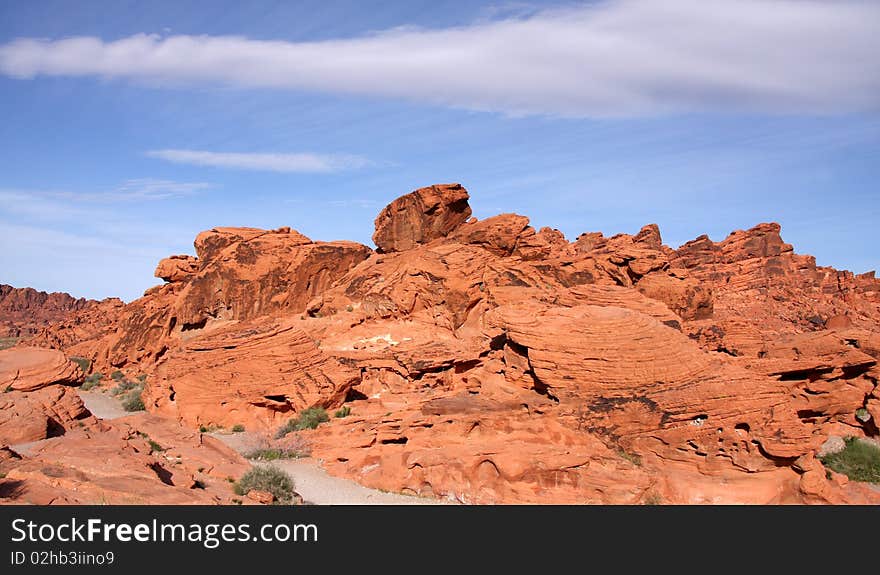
x=92, y=380
x=131, y=395
x=266, y=478
x=7, y=342
x=237, y=428
x=284, y=430
x=83, y=363
x=125, y=386
x=117, y=375
x=155, y=447
x=133, y=402
x=859, y=460
x=344, y=412
x=312, y=418
x=631, y=457
x=308, y=419
x=273, y=454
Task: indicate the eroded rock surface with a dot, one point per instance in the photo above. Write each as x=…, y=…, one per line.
x=37, y=395
x=136, y=460
x=421, y=216
x=26, y=311
x=484, y=361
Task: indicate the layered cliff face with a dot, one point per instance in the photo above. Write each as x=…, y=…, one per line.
x=25, y=311
x=488, y=362
x=763, y=290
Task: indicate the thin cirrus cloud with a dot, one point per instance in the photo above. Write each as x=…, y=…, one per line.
x=604, y=59
x=134, y=190
x=141, y=189
x=300, y=162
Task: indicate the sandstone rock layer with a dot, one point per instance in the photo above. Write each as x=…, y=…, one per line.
x=485, y=361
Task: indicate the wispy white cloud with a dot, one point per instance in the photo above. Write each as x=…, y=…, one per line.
x=300, y=162
x=610, y=58
x=135, y=190
x=127, y=191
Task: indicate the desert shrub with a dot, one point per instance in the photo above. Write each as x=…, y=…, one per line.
x=125, y=386
x=237, y=428
x=266, y=478
x=117, y=375
x=266, y=448
x=286, y=428
x=308, y=419
x=631, y=457
x=131, y=397
x=859, y=460
x=7, y=342
x=312, y=418
x=155, y=447
x=271, y=454
x=92, y=380
x=653, y=499
x=133, y=402
x=344, y=412
x=142, y=378
x=83, y=363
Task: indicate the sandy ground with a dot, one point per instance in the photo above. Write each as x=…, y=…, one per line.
x=102, y=405
x=311, y=481
x=316, y=486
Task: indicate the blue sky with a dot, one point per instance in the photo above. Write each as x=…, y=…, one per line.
x=128, y=127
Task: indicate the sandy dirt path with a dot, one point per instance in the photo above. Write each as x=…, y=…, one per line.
x=102, y=404
x=311, y=481
x=318, y=487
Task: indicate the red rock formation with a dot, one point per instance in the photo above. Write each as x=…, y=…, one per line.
x=78, y=332
x=488, y=362
x=135, y=460
x=240, y=273
x=177, y=268
x=24, y=311
x=253, y=373
x=762, y=290
x=421, y=216
x=35, y=415
x=36, y=397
